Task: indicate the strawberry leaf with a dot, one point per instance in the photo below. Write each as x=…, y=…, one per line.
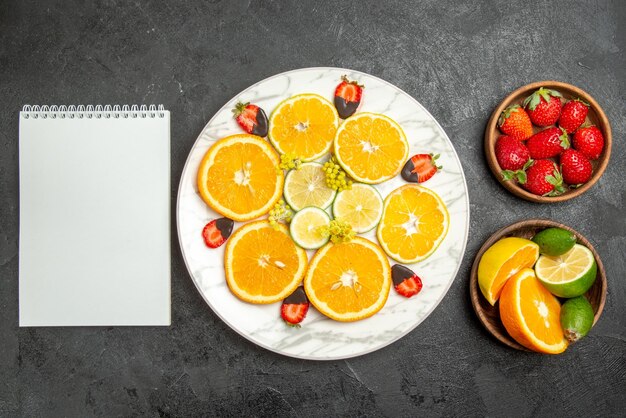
x=507, y=175
x=564, y=139
x=521, y=176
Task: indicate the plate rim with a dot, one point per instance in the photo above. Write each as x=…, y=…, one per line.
x=386, y=343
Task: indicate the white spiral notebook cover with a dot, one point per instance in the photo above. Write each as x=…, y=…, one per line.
x=94, y=243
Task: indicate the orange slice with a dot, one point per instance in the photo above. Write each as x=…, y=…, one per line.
x=531, y=314
x=371, y=147
x=501, y=261
x=263, y=264
x=238, y=177
x=414, y=223
x=348, y=281
x=304, y=126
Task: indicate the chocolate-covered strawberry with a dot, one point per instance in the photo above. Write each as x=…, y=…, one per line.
x=348, y=97
x=590, y=141
x=217, y=231
x=295, y=307
x=575, y=167
x=543, y=106
x=251, y=118
x=420, y=168
x=405, y=281
x=547, y=143
x=573, y=115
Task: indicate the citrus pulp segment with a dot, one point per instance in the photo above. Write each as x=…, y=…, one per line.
x=414, y=223
x=531, y=314
x=305, y=227
x=263, y=264
x=361, y=206
x=304, y=126
x=306, y=186
x=568, y=275
x=371, y=147
x=238, y=177
x=348, y=281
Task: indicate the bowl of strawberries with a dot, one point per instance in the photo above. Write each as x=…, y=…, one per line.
x=548, y=142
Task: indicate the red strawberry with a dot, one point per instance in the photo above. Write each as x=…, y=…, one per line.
x=294, y=308
x=514, y=121
x=573, y=115
x=544, y=179
x=420, y=168
x=590, y=141
x=544, y=106
x=348, y=97
x=216, y=232
x=405, y=281
x=511, y=153
x=575, y=167
x=547, y=143
x=251, y=118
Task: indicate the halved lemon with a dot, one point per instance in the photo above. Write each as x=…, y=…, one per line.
x=570, y=274
x=238, y=177
x=263, y=264
x=503, y=260
x=304, y=126
x=371, y=147
x=361, y=206
x=531, y=314
x=414, y=223
x=348, y=281
x=306, y=186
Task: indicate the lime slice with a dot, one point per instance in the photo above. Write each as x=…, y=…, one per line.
x=307, y=187
x=568, y=275
x=361, y=206
x=305, y=227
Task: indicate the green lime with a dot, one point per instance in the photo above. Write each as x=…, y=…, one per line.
x=568, y=275
x=306, y=186
x=305, y=227
x=576, y=318
x=554, y=241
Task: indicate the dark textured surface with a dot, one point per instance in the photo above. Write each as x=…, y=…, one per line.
x=457, y=60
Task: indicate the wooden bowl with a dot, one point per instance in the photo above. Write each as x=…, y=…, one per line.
x=489, y=315
x=595, y=116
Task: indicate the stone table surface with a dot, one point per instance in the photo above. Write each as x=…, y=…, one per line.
x=458, y=59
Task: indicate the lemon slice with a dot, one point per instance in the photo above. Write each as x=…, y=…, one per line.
x=307, y=187
x=361, y=206
x=568, y=275
x=305, y=228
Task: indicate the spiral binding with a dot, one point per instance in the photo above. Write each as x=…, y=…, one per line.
x=90, y=111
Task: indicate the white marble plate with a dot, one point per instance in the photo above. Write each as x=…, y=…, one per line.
x=321, y=338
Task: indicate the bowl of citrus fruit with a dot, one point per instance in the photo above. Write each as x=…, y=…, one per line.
x=322, y=213
x=548, y=142
x=538, y=285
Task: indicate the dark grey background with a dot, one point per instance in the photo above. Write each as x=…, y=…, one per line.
x=458, y=60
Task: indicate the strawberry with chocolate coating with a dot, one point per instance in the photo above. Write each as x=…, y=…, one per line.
x=514, y=122
x=575, y=167
x=544, y=106
x=590, y=141
x=251, y=118
x=548, y=143
x=348, y=97
x=295, y=307
x=405, y=281
x=420, y=168
x=217, y=231
x=544, y=179
x=573, y=115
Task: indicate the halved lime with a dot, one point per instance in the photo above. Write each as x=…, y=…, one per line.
x=307, y=187
x=305, y=227
x=568, y=275
x=361, y=206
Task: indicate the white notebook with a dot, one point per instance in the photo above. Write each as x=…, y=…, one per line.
x=94, y=243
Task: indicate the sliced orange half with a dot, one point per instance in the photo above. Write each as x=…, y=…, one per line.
x=263, y=264
x=414, y=223
x=238, y=177
x=503, y=260
x=371, y=147
x=348, y=281
x=531, y=314
x=304, y=126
